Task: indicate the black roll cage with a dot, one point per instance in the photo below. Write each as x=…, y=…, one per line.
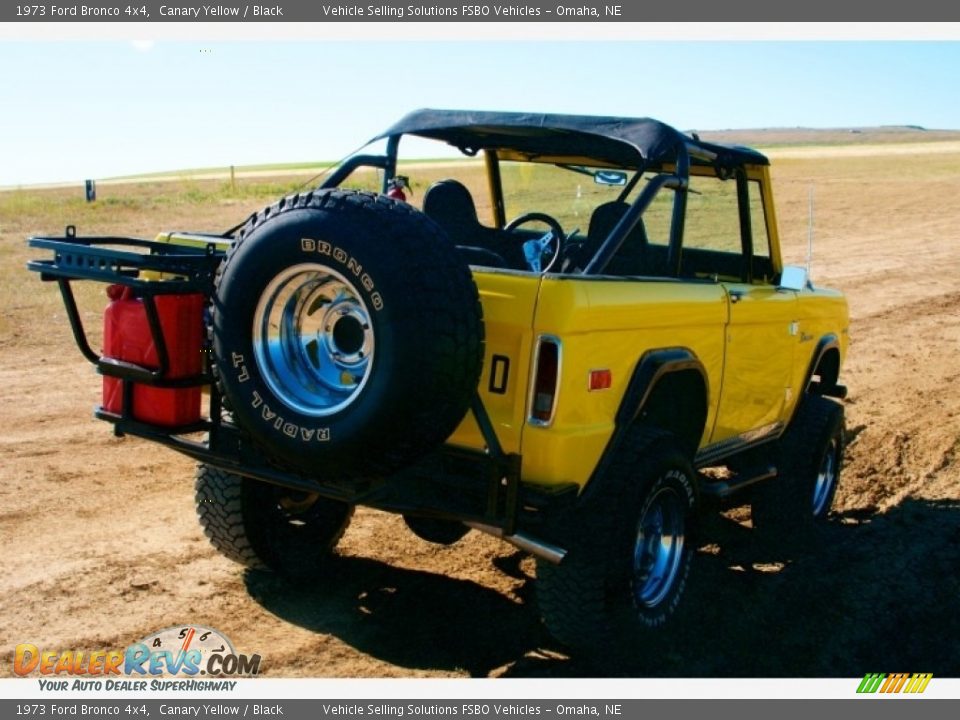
x=677, y=180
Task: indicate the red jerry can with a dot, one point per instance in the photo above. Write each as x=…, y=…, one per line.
x=126, y=336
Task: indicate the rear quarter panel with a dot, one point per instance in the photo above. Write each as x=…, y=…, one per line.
x=610, y=324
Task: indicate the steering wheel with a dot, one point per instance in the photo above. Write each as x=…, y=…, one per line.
x=549, y=244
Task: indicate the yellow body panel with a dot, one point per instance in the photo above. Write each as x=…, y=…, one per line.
x=822, y=312
x=509, y=302
x=602, y=324
x=761, y=337
x=610, y=324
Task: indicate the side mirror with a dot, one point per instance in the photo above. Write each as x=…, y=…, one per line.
x=793, y=278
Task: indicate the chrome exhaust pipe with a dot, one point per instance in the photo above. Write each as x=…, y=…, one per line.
x=543, y=550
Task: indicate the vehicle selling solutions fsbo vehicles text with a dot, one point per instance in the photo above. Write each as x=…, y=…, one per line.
x=419, y=10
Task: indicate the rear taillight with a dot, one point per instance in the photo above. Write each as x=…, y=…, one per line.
x=546, y=381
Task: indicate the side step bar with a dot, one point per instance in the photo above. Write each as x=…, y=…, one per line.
x=724, y=488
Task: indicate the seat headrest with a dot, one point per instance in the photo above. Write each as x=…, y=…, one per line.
x=449, y=202
x=604, y=218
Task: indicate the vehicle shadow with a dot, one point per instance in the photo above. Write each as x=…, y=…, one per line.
x=878, y=594
x=410, y=618
x=878, y=591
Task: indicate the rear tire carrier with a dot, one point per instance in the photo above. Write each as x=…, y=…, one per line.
x=347, y=333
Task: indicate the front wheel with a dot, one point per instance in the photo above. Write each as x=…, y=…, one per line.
x=630, y=551
x=790, y=509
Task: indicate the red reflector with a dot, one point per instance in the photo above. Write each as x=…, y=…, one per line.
x=545, y=382
x=600, y=380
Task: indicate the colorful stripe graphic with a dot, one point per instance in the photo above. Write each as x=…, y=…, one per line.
x=894, y=683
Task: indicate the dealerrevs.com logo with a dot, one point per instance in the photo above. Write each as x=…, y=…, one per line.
x=189, y=651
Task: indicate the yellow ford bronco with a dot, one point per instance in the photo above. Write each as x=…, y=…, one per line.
x=575, y=335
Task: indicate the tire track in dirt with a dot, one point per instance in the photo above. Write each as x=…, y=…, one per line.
x=904, y=409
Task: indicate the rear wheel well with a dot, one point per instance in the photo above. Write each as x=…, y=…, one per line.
x=678, y=405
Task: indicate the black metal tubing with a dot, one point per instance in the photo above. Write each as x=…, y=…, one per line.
x=228, y=453
x=629, y=220
x=390, y=171
x=678, y=221
x=725, y=488
x=495, y=183
x=76, y=322
x=101, y=259
x=159, y=341
x=343, y=172
x=628, y=188
x=112, y=367
x=486, y=427
x=502, y=473
x=226, y=448
x=746, y=228
x=202, y=452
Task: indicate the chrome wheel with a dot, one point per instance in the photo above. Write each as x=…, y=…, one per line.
x=826, y=479
x=313, y=339
x=658, y=549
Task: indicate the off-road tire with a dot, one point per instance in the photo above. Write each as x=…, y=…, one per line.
x=399, y=377
x=791, y=509
x=246, y=521
x=591, y=601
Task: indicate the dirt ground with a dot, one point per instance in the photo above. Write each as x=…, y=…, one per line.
x=102, y=547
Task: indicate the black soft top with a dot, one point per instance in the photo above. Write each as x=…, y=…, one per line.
x=615, y=141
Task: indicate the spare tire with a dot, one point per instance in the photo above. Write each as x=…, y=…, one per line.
x=347, y=333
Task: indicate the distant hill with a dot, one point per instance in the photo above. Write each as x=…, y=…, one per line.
x=772, y=137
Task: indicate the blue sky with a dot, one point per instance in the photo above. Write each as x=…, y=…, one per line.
x=95, y=109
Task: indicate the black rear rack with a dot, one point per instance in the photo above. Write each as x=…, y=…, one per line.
x=122, y=261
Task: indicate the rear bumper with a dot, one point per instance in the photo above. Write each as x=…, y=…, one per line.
x=451, y=483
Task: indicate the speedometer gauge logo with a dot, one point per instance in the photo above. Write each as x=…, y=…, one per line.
x=197, y=643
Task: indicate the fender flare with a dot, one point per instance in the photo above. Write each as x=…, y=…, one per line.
x=652, y=367
x=825, y=344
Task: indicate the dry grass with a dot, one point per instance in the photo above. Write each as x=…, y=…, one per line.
x=779, y=137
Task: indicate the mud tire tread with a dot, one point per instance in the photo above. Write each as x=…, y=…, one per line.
x=584, y=600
